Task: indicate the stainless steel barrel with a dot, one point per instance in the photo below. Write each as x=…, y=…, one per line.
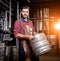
x=39, y=44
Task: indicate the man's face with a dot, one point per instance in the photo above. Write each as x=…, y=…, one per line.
x=25, y=13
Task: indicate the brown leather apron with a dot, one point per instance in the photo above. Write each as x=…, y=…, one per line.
x=25, y=43
x=26, y=48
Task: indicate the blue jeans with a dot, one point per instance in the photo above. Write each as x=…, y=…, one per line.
x=22, y=56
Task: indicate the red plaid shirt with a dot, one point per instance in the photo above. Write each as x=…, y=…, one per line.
x=19, y=26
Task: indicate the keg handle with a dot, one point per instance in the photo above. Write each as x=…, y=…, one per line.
x=33, y=38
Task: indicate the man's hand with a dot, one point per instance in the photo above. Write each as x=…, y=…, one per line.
x=30, y=37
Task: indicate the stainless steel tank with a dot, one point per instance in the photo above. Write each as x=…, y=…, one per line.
x=39, y=44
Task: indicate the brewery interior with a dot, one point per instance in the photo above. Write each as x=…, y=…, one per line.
x=45, y=15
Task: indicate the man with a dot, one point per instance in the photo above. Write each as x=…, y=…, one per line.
x=23, y=30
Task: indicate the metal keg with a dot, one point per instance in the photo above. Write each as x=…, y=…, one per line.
x=39, y=44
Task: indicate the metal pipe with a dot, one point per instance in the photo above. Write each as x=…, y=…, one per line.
x=10, y=16
x=5, y=22
x=17, y=10
x=4, y=3
x=28, y=1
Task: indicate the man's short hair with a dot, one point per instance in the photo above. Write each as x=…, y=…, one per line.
x=24, y=7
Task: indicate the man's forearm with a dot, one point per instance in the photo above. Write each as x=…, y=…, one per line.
x=21, y=36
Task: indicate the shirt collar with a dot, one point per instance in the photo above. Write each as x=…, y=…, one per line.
x=24, y=20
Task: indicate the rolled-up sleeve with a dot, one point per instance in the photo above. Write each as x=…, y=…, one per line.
x=17, y=28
